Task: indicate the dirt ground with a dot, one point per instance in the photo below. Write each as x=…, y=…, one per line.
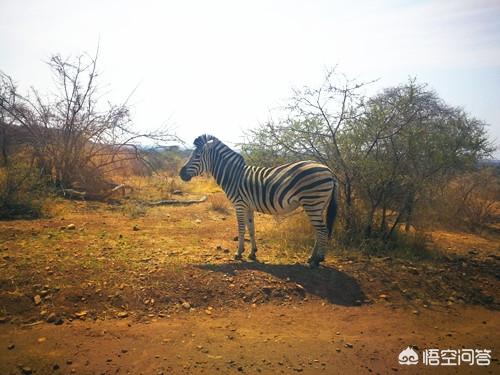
x=99, y=289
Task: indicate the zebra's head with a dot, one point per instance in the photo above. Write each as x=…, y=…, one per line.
x=199, y=160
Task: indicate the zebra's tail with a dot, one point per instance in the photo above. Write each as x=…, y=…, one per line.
x=332, y=210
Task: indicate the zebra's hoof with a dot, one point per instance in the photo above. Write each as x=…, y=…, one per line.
x=238, y=257
x=313, y=264
x=315, y=261
x=252, y=256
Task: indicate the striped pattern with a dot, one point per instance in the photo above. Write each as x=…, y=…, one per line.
x=275, y=191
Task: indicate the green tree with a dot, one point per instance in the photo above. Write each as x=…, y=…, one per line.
x=387, y=151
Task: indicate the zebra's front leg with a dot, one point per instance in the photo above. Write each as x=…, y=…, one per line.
x=251, y=230
x=241, y=217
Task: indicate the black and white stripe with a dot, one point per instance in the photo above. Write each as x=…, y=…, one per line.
x=275, y=191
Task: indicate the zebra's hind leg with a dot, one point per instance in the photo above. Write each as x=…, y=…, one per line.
x=251, y=230
x=241, y=217
x=318, y=253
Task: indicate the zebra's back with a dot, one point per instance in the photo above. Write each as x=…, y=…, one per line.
x=282, y=189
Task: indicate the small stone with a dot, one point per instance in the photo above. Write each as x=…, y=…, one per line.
x=135, y=228
x=55, y=367
x=81, y=314
x=197, y=221
x=26, y=370
x=122, y=314
x=124, y=350
x=71, y=227
x=383, y=296
x=42, y=339
x=37, y=299
x=186, y=305
x=337, y=350
x=51, y=318
x=416, y=312
x=348, y=345
x=69, y=362
x=11, y=346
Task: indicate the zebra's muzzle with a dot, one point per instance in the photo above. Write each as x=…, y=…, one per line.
x=184, y=175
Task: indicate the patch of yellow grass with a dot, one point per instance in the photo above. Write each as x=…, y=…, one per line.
x=289, y=235
x=218, y=202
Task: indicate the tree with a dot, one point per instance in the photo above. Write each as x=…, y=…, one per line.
x=387, y=151
x=73, y=137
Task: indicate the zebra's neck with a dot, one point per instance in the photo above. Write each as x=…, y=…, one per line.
x=227, y=168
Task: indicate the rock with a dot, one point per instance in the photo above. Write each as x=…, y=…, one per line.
x=69, y=362
x=81, y=314
x=383, y=296
x=348, y=345
x=122, y=314
x=26, y=370
x=135, y=228
x=11, y=346
x=71, y=226
x=186, y=305
x=42, y=339
x=37, y=299
x=197, y=221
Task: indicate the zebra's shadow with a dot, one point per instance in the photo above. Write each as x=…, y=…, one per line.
x=325, y=282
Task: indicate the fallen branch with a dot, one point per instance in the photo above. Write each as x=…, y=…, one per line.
x=165, y=202
x=83, y=195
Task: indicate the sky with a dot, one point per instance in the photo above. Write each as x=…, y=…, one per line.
x=220, y=67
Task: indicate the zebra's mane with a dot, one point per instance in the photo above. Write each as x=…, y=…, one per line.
x=203, y=139
x=223, y=149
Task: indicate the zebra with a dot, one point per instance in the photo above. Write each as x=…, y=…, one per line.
x=275, y=191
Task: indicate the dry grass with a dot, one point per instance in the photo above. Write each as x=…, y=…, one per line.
x=290, y=236
x=219, y=203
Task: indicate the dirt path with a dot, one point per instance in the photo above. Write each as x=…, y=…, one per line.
x=268, y=339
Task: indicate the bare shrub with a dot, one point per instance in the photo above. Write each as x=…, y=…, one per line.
x=470, y=201
x=20, y=191
x=74, y=139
